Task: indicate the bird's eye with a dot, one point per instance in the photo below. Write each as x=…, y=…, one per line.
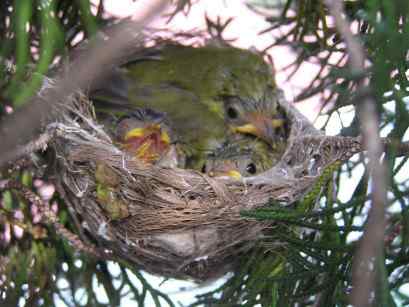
x=232, y=113
x=204, y=168
x=251, y=168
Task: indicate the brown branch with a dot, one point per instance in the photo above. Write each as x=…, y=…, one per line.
x=20, y=164
x=400, y=149
x=363, y=278
x=22, y=126
x=23, y=151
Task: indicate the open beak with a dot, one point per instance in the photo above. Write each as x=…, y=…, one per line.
x=146, y=131
x=134, y=133
x=142, y=131
x=147, y=143
x=164, y=137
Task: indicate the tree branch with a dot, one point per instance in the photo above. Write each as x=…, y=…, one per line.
x=51, y=218
x=363, y=279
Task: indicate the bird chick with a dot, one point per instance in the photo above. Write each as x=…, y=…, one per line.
x=146, y=135
x=242, y=158
x=208, y=93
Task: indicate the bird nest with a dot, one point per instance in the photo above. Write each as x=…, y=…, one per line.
x=179, y=222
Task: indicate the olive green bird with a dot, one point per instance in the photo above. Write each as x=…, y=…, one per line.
x=208, y=93
x=243, y=157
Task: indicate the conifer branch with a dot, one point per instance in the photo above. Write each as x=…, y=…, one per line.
x=371, y=243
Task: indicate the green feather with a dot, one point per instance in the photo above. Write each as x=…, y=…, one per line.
x=191, y=85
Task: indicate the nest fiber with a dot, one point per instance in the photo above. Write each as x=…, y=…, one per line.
x=179, y=222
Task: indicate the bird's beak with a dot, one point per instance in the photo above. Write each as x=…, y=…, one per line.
x=145, y=131
x=145, y=152
x=135, y=133
x=227, y=170
x=164, y=137
x=234, y=174
x=246, y=129
x=147, y=143
x=228, y=174
x=261, y=126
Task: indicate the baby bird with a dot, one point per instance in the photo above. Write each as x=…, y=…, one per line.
x=242, y=157
x=144, y=134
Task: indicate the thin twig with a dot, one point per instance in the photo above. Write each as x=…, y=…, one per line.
x=363, y=278
x=401, y=149
x=51, y=218
x=23, y=151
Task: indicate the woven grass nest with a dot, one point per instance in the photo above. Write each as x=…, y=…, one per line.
x=181, y=223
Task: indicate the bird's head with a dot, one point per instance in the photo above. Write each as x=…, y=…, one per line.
x=144, y=135
x=241, y=158
x=249, y=96
x=261, y=117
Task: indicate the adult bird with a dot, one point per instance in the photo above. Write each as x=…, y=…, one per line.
x=208, y=93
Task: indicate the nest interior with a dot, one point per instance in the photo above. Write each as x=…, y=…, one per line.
x=175, y=222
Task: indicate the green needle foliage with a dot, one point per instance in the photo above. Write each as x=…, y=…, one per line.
x=306, y=258
x=34, y=35
x=319, y=261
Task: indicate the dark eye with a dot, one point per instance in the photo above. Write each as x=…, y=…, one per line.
x=251, y=168
x=232, y=113
x=204, y=168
